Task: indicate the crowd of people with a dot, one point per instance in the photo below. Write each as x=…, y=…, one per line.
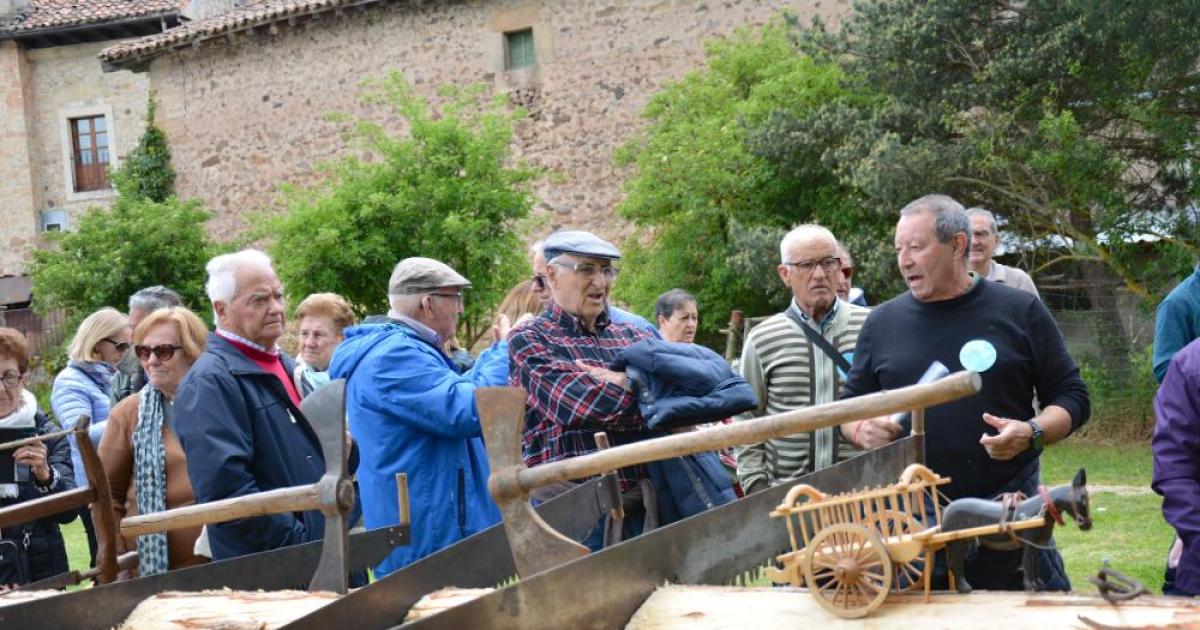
x=197, y=416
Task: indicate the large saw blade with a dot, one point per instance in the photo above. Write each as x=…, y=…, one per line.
x=605, y=589
x=108, y=606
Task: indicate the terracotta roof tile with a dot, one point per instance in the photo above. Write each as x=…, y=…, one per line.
x=47, y=14
x=259, y=13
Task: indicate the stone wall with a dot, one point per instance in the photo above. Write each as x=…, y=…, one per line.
x=243, y=116
x=39, y=91
x=18, y=222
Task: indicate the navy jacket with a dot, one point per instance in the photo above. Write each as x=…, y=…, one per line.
x=242, y=434
x=679, y=384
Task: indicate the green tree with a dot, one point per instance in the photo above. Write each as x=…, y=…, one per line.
x=147, y=237
x=1075, y=121
x=444, y=190
x=146, y=172
x=714, y=205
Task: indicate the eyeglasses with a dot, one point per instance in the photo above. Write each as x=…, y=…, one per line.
x=590, y=269
x=458, y=297
x=163, y=352
x=10, y=379
x=828, y=264
x=121, y=346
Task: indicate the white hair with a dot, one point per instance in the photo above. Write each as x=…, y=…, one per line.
x=222, y=273
x=802, y=231
x=407, y=304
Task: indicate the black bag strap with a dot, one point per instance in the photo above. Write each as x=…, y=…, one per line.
x=819, y=341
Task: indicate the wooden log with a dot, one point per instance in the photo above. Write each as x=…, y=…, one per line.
x=294, y=499
x=751, y=432
x=225, y=609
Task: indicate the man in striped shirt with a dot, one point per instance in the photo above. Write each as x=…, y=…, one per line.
x=791, y=368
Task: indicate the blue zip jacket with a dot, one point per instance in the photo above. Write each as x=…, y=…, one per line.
x=679, y=384
x=81, y=389
x=412, y=412
x=242, y=434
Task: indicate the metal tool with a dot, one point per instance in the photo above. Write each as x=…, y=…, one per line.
x=333, y=494
x=1116, y=587
x=538, y=547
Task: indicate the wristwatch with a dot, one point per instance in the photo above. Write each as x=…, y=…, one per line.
x=1037, y=439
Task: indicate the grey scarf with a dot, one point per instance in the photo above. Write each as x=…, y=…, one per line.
x=150, y=476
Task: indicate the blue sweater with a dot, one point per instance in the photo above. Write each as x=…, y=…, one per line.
x=82, y=388
x=1177, y=323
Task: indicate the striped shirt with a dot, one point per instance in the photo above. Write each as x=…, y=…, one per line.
x=564, y=404
x=788, y=372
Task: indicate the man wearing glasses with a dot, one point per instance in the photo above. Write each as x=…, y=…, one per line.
x=560, y=357
x=412, y=412
x=799, y=358
x=542, y=288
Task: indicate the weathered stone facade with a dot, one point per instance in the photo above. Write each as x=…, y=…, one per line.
x=40, y=91
x=247, y=113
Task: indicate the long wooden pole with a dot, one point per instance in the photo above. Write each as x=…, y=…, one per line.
x=8, y=446
x=294, y=499
x=751, y=432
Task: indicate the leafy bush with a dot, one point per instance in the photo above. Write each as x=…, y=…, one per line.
x=1121, y=408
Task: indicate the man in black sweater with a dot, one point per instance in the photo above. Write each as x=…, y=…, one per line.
x=988, y=443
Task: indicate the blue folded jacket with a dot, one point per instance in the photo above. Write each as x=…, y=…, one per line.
x=679, y=384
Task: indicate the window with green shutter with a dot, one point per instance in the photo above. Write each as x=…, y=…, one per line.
x=518, y=49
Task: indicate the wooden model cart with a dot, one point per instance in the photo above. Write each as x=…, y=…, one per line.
x=852, y=549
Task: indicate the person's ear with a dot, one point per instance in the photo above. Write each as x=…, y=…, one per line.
x=219, y=307
x=783, y=273
x=960, y=244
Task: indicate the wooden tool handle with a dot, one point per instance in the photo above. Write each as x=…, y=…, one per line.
x=752, y=431
x=15, y=444
x=294, y=499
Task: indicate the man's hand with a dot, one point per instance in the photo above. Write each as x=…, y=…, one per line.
x=874, y=432
x=34, y=456
x=616, y=378
x=1013, y=439
x=502, y=327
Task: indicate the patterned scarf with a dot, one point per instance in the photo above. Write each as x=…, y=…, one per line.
x=24, y=416
x=150, y=477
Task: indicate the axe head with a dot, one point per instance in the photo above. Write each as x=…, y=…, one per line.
x=535, y=545
x=325, y=410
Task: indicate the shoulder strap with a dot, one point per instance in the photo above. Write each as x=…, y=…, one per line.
x=820, y=342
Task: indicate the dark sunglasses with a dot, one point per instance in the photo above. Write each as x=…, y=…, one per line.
x=539, y=282
x=163, y=352
x=121, y=346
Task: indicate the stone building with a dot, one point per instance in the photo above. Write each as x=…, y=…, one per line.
x=243, y=93
x=63, y=121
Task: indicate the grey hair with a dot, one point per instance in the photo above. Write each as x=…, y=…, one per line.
x=153, y=298
x=407, y=304
x=800, y=231
x=987, y=214
x=222, y=272
x=844, y=254
x=949, y=217
x=668, y=302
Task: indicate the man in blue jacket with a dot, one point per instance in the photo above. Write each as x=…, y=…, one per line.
x=412, y=412
x=238, y=411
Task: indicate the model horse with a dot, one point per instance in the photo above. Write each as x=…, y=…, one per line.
x=1049, y=504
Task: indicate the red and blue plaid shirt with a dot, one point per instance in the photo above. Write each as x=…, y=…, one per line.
x=564, y=405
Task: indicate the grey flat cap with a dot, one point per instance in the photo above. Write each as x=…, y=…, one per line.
x=421, y=275
x=579, y=243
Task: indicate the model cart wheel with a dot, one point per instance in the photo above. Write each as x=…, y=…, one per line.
x=910, y=571
x=848, y=570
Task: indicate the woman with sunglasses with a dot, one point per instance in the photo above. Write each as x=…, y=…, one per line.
x=82, y=388
x=141, y=453
x=36, y=549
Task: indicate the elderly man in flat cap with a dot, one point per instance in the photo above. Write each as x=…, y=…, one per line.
x=411, y=411
x=559, y=359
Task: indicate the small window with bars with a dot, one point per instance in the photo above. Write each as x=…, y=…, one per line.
x=89, y=151
x=518, y=49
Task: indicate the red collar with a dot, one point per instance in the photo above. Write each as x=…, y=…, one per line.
x=1050, y=509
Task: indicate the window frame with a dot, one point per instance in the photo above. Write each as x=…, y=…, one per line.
x=519, y=35
x=66, y=118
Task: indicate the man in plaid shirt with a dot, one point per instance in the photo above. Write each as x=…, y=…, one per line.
x=560, y=357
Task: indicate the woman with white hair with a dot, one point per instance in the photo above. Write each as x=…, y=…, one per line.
x=82, y=388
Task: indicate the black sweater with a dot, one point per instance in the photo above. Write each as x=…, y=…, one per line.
x=903, y=336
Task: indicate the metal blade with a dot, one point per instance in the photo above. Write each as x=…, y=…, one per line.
x=108, y=606
x=483, y=560
x=715, y=547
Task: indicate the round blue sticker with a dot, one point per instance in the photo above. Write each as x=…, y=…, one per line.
x=977, y=355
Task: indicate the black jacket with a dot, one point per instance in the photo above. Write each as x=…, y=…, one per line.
x=44, y=546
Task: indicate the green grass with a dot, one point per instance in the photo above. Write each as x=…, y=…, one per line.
x=1128, y=530
x=77, y=547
